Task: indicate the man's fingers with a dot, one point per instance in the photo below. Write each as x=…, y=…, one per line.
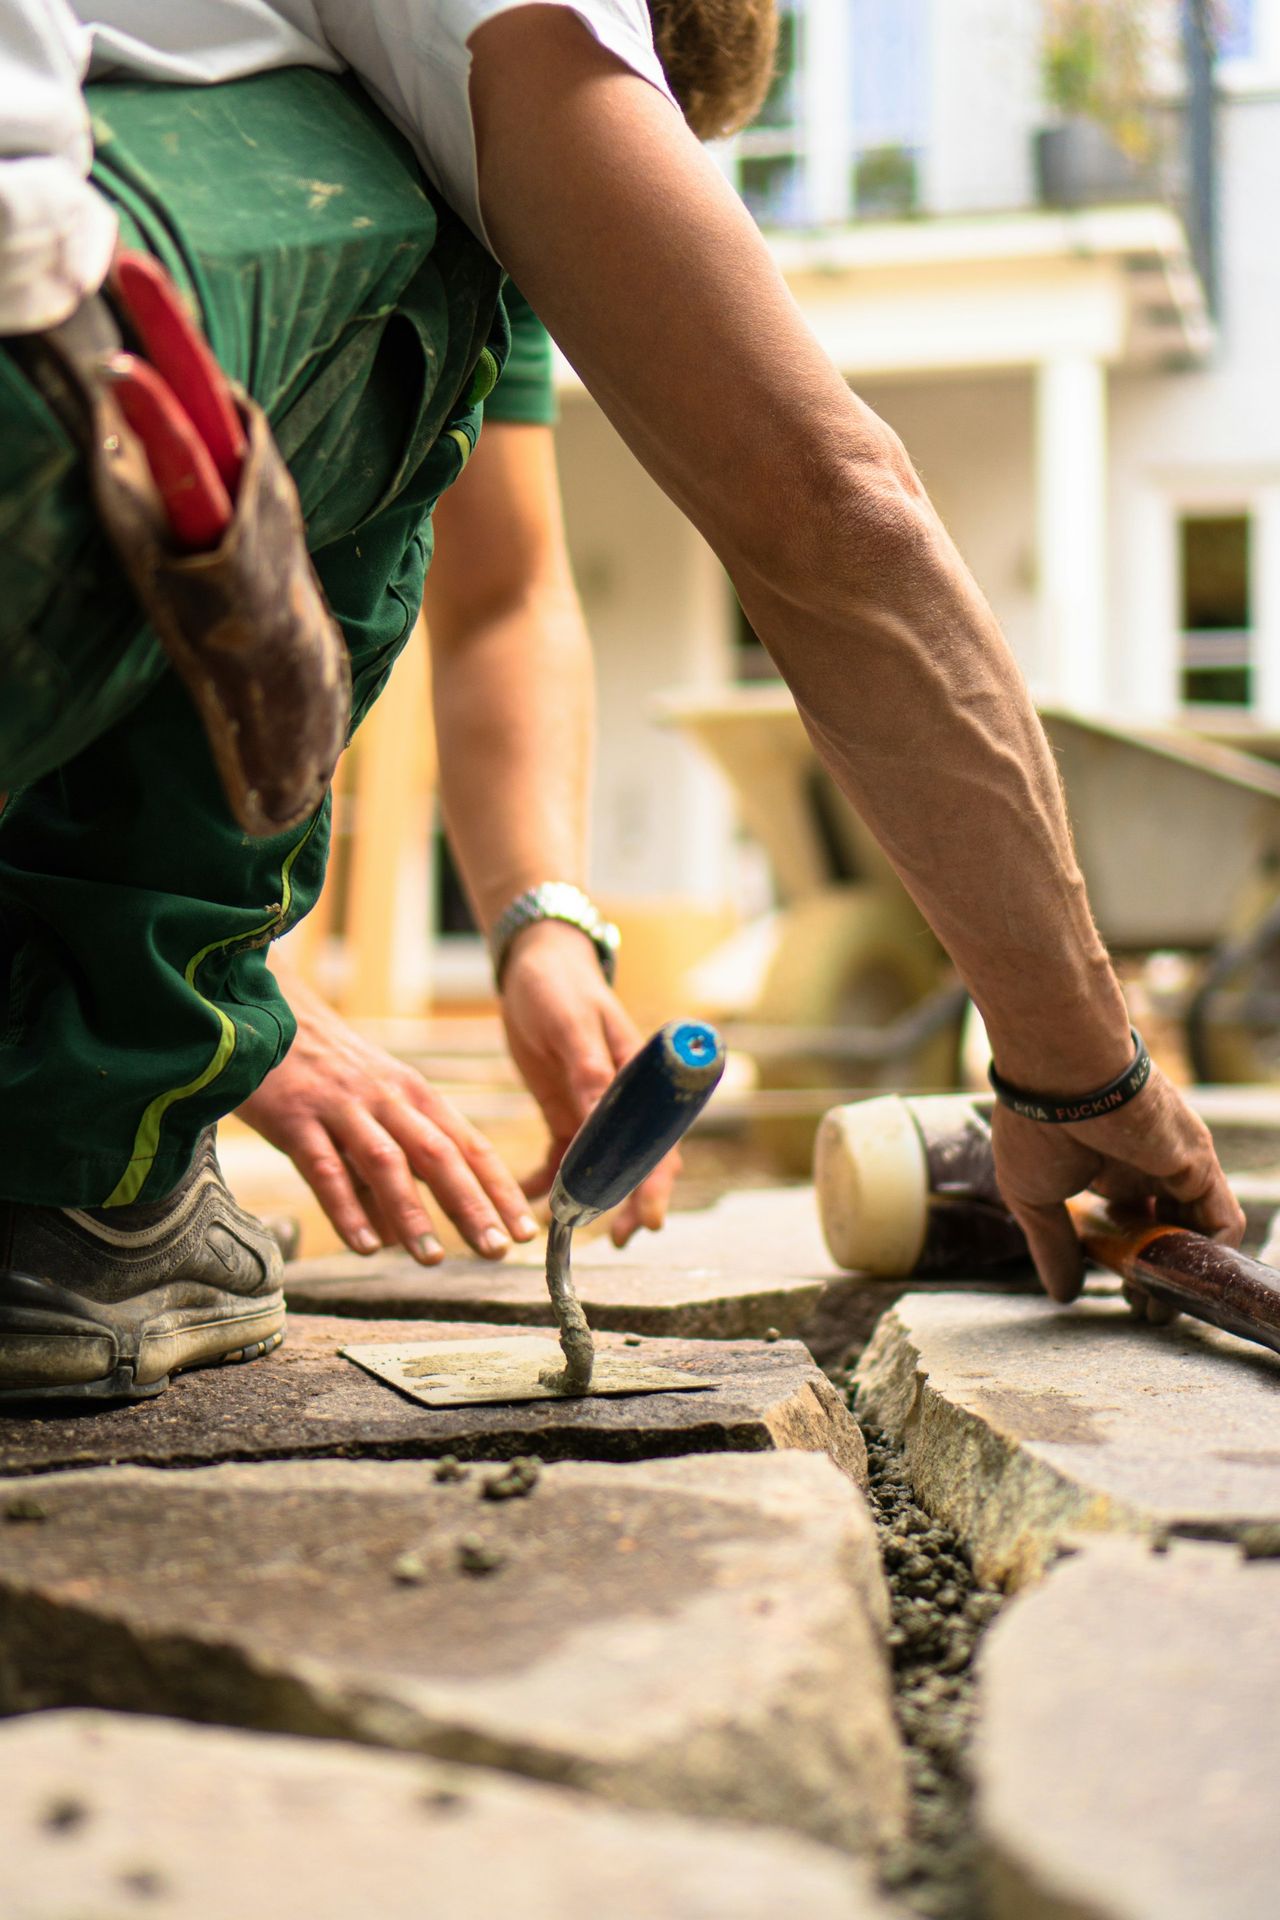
x=622, y=1035
x=647, y=1206
x=1055, y=1249
x=1124, y=1185
x=325, y=1172
x=1203, y=1201
x=378, y=1160
x=588, y=1078
x=1145, y=1306
x=487, y=1165
x=1162, y=1137
x=536, y=1184
x=1219, y=1214
x=497, y=1180
x=437, y=1159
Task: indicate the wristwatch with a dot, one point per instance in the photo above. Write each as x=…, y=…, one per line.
x=555, y=900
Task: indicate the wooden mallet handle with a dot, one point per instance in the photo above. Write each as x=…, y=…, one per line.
x=1184, y=1270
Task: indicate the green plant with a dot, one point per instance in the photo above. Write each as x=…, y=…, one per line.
x=1095, y=59
x=885, y=180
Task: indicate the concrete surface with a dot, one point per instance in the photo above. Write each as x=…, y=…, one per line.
x=702, y=1635
x=115, y=1816
x=1128, y=1755
x=754, y=1262
x=1025, y=1424
x=304, y=1400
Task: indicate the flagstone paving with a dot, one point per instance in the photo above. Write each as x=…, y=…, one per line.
x=702, y=1635
x=755, y=1263
x=307, y=1400
x=116, y=1816
x=1025, y=1424
x=1127, y=1761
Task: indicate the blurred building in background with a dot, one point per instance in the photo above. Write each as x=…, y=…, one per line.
x=1039, y=237
x=1063, y=291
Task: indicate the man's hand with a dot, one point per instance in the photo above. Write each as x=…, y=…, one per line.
x=569, y=1034
x=1153, y=1153
x=363, y=1128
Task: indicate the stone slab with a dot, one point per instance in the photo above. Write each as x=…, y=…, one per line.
x=753, y=1263
x=1128, y=1755
x=115, y=1816
x=703, y=1636
x=1025, y=1423
x=304, y=1400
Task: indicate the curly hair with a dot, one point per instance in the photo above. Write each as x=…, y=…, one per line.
x=718, y=57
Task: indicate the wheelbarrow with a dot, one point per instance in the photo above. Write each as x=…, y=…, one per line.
x=1178, y=839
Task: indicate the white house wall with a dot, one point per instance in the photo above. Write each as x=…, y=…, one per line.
x=971, y=440
x=1175, y=440
x=984, y=100
x=660, y=617
x=1207, y=438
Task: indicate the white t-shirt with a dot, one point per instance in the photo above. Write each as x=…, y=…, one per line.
x=413, y=57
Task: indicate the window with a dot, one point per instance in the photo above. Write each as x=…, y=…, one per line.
x=1237, y=29
x=889, y=105
x=1248, y=38
x=453, y=914
x=1216, y=608
x=770, y=154
x=842, y=130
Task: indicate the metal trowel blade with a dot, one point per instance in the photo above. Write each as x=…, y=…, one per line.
x=495, y=1373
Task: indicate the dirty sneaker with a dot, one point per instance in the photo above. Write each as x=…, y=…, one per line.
x=107, y=1303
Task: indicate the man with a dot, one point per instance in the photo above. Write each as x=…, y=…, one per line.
x=512, y=686
x=553, y=135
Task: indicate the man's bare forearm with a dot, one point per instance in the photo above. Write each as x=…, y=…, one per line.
x=685, y=332
x=514, y=710
x=914, y=702
x=513, y=737
x=512, y=675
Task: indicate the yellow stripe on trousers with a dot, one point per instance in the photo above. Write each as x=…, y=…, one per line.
x=146, y=1143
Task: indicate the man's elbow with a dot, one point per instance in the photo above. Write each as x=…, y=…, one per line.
x=848, y=509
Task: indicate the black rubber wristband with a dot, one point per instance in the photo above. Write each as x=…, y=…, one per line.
x=1061, y=1111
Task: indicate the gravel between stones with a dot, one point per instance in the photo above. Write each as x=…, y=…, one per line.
x=939, y=1615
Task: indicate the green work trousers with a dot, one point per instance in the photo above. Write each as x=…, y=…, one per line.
x=135, y=1002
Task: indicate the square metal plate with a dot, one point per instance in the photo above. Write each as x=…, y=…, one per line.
x=494, y=1373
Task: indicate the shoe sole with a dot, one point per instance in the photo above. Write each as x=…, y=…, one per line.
x=54, y=1344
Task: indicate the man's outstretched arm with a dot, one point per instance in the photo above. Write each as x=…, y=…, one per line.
x=653, y=279
x=512, y=684
x=513, y=688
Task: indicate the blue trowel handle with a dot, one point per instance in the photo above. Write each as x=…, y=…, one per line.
x=642, y=1114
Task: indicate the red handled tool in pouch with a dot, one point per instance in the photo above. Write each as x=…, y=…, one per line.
x=196, y=500
x=180, y=357
x=203, y=513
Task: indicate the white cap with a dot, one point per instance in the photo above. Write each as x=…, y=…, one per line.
x=871, y=1177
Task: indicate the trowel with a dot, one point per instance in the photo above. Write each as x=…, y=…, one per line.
x=644, y=1111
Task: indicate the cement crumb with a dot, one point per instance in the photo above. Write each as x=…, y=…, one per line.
x=25, y=1509
x=515, y=1481
x=477, y=1557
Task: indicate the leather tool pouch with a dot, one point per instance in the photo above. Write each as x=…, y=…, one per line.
x=245, y=624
